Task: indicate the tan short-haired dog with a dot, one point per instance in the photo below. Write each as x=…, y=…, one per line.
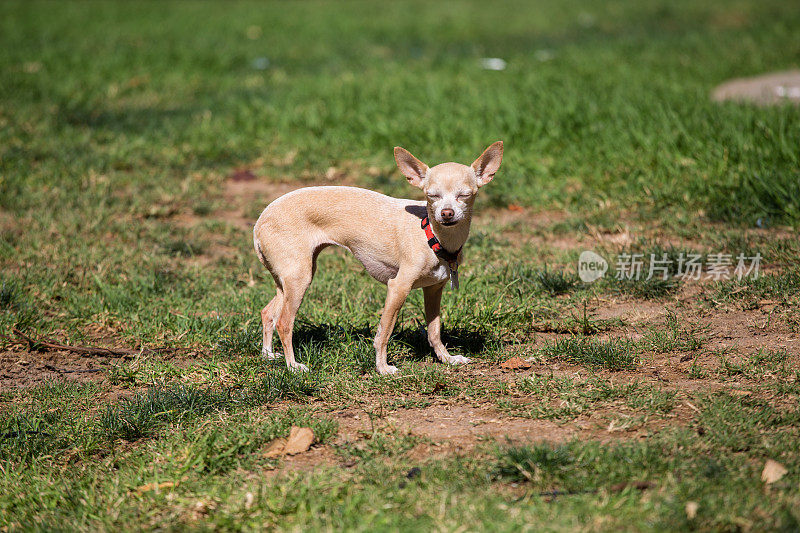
x=405, y=244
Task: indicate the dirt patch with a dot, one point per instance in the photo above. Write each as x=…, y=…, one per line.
x=444, y=429
x=240, y=199
x=515, y=215
x=520, y=226
x=456, y=424
x=768, y=89
x=634, y=311
x=22, y=369
x=751, y=331
x=240, y=195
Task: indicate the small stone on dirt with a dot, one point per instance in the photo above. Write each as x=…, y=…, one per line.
x=411, y=474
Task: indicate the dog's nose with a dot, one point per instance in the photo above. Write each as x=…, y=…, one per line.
x=448, y=214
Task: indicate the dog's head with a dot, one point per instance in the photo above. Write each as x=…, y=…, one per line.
x=450, y=187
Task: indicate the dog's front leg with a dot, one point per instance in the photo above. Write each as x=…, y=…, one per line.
x=395, y=297
x=433, y=300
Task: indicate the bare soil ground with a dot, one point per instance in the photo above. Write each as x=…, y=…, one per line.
x=26, y=369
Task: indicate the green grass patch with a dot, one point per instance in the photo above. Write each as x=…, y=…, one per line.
x=783, y=286
x=50, y=419
x=761, y=364
x=237, y=442
x=563, y=398
x=646, y=289
x=612, y=354
x=676, y=334
x=761, y=198
x=140, y=416
x=556, y=282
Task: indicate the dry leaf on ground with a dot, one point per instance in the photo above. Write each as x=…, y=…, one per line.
x=275, y=448
x=155, y=486
x=691, y=509
x=515, y=363
x=300, y=440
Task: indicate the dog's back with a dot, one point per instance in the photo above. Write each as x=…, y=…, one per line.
x=376, y=228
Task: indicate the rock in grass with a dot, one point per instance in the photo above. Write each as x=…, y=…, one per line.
x=772, y=472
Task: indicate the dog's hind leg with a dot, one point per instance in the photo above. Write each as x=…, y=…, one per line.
x=269, y=317
x=294, y=287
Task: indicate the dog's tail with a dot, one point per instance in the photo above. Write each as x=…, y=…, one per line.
x=259, y=253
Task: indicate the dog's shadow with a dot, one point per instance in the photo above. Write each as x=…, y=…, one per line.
x=458, y=340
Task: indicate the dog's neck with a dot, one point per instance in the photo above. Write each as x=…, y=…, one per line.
x=452, y=238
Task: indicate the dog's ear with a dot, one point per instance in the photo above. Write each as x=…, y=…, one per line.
x=488, y=163
x=412, y=168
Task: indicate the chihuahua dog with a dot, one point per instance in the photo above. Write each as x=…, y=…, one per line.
x=405, y=244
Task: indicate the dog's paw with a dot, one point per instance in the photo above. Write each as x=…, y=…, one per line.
x=269, y=356
x=388, y=371
x=457, y=360
x=298, y=367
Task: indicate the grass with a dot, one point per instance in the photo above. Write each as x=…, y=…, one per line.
x=647, y=289
x=564, y=398
x=677, y=466
x=557, y=282
x=120, y=124
x=574, y=471
x=763, y=363
x=675, y=335
x=139, y=416
x=784, y=286
x=616, y=354
x=623, y=353
x=48, y=426
x=767, y=198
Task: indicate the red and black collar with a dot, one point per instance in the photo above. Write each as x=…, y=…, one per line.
x=436, y=246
